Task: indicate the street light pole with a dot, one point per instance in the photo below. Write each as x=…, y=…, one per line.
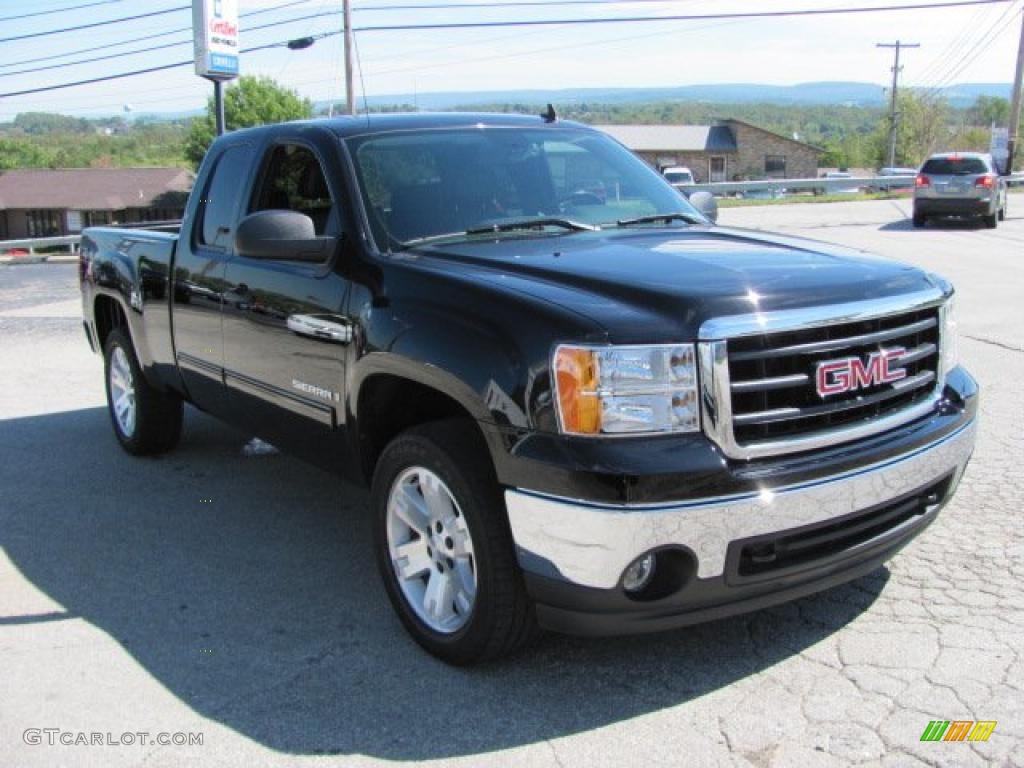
x=350, y=99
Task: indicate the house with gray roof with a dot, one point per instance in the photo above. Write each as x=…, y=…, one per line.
x=727, y=151
x=40, y=202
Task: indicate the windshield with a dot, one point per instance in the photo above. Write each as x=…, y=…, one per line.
x=423, y=184
x=678, y=177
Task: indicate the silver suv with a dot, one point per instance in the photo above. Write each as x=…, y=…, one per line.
x=959, y=184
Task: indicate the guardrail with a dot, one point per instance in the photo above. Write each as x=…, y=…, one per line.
x=852, y=183
x=30, y=246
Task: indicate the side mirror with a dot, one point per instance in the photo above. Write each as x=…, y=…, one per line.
x=705, y=203
x=281, y=235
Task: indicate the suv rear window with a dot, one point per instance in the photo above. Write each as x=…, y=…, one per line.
x=955, y=166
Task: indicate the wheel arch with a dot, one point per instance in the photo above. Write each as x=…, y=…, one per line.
x=387, y=401
x=108, y=314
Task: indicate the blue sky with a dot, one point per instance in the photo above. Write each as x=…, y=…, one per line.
x=958, y=45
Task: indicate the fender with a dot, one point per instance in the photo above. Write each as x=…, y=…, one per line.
x=133, y=272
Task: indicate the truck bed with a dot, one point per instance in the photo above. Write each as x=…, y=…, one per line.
x=134, y=265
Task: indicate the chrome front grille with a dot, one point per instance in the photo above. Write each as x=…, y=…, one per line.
x=759, y=392
x=772, y=376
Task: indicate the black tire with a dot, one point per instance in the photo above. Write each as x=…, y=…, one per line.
x=502, y=619
x=1002, y=213
x=990, y=222
x=158, y=415
x=918, y=220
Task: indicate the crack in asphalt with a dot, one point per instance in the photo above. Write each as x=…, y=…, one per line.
x=994, y=343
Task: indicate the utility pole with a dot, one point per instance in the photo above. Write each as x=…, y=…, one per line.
x=350, y=97
x=896, y=68
x=1011, y=143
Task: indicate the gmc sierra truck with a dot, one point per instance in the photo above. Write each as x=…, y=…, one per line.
x=579, y=404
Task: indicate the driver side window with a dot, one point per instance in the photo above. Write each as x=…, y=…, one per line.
x=293, y=180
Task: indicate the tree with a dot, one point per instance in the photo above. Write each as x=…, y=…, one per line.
x=247, y=102
x=989, y=109
x=37, y=123
x=922, y=128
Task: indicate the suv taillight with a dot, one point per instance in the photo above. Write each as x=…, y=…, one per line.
x=985, y=181
x=922, y=181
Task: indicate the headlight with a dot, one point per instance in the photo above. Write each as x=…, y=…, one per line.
x=626, y=389
x=950, y=345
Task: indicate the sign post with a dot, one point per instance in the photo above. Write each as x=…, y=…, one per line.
x=999, y=148
x=215, y=34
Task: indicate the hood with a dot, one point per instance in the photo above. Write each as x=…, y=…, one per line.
x=661, y=284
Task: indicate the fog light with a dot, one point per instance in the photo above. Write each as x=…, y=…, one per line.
x=638, y=574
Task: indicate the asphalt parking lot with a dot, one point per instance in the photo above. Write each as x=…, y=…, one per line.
x=235, y=596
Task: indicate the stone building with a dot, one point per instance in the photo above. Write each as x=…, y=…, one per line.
x=730, y=150
x=43, y=203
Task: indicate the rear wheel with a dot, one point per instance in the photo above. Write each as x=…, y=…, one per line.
x=991, y=221
x=443, y=546
x=1002, y=213
x=918, y=220
x=146, y=420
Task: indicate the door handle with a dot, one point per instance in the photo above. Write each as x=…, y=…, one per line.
x=322, y=327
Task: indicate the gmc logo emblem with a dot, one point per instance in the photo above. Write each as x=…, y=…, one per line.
x=851, y=373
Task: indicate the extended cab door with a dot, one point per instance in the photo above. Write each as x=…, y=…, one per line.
x=286, y=334
x=199, y=263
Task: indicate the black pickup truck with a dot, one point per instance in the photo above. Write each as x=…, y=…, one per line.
x=578, y=402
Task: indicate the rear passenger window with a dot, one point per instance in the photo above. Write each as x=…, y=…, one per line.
x=955, y=166
x=293, y=180
x=218, y=203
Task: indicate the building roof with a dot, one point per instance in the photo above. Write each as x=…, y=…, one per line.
x=804, y=144
x=673, y=138
x=94, y=189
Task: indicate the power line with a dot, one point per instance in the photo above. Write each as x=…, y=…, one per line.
x=547, y=49
x=149, y=70
x=59, y=10
x=975, y=32
x=995, y=33
x=551, y=22
x=175, y=44
x=154, y=36
x=679, y=17
x=93, y=24
x=507, y=4
x=953, y=71
x=965, y=33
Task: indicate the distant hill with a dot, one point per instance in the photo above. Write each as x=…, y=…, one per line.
x=839, y=93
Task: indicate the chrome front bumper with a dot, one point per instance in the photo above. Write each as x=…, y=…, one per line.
x=591, y=544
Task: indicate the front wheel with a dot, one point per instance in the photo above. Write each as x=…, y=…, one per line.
x=443, y=546
x=146, y=420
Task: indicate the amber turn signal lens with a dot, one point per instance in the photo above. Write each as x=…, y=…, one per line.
x=576, y=372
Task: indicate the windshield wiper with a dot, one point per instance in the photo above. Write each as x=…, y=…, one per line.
x=540, y=221
x=689, y=218
x=431, y=238
x=506, y=226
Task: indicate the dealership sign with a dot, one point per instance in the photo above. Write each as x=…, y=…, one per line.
x=215, y=29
